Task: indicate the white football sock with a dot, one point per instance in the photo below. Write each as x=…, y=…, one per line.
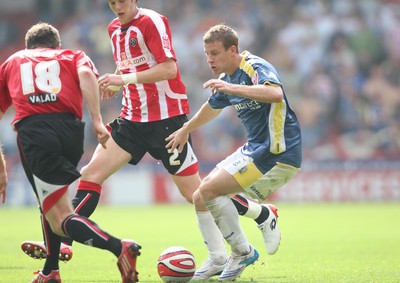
x=212, y=237
x=227, y=219
x=254, y=210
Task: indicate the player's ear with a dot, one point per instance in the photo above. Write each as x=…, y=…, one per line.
x=233, y=49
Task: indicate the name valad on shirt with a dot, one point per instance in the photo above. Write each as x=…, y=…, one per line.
x=43, y=98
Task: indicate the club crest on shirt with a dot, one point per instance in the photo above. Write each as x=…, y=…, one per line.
x=254, y=79
x=133, y=42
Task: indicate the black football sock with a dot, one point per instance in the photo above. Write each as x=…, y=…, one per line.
x=85, y=203
x=85, y=231
x=53, y=247
x=241, y=204
x=250, y=209
x=263, y=215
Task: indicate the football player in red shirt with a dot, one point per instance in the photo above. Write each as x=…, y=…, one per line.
x=47, y=85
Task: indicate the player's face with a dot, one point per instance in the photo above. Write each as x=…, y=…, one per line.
x=125, y=10
x=219, y=59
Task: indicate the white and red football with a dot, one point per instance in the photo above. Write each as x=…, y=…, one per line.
x=176, y=264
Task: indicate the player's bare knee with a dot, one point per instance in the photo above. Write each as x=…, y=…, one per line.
x=207, y=193
x=197, y=197
x=198, y=202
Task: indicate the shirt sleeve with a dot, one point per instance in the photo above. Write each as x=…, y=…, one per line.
x=218, y=101
x=265, y=75
x=158, y=39
x=83, y=60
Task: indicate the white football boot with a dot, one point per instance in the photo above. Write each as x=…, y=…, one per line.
x=207, y=270
x=236, y=265
x=270, y=231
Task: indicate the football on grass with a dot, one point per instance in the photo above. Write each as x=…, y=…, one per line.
x=176, y=264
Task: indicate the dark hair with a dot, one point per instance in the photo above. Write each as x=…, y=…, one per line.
x=42, y=35
x=222, y=33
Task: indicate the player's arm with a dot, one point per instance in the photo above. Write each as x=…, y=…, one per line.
x=3, y=173
x=88, y=85
x=163, y=71
x=160, y=72
x=179, y=138
x=266, y=93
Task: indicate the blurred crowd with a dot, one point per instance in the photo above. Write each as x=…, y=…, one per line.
x=339, y=61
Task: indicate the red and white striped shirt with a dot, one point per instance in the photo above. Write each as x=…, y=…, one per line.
x=139, y=45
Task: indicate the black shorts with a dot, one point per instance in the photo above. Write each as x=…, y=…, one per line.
x=50, y=147
x=138, y=138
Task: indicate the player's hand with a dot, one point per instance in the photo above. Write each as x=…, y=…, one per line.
x=102, y=134
x=108, y=93
x=3, y=186
x=177, y=139
x=217, y=85
x=109, y=84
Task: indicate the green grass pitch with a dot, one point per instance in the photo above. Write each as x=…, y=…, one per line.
x=350, y=242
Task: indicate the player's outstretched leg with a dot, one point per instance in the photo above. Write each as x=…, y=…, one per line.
x=270, y=231
x=85, y=231
x=85, y=202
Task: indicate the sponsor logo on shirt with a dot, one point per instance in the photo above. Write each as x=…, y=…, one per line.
x=131, y=62
x=252, y=105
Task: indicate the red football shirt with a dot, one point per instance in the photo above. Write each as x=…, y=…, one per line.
x=139, y=45
x=43, y=80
